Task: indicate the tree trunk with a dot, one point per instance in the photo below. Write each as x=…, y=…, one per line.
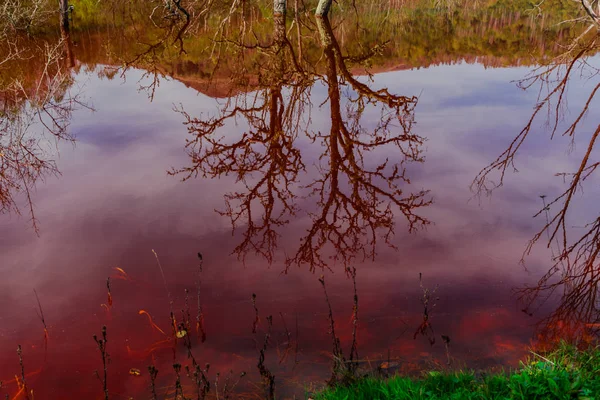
x=64, y=15
x=323, y=8
x=279, y=7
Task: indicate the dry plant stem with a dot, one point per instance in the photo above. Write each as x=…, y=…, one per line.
x=153, y=374
x=354, y=347
x=256, y=317
x=22, y=365
x=288, y=336
x=226, y=387
x=195, y=374
x=226, y=390
x=109, y=300
x=105, y=358
x=339, y=362
x=43, y=319
x=199, y=315
x=425, y=328
x=186, y=313
x=267, y=378
x=162, y=273
x=174, y=331
x=187, y=341
x=178, y=387
x=296, y=346
x=446, y=340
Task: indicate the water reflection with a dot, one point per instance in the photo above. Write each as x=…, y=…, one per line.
x=313, y=159
x=573, y=238
x=36, y=108
x=264, y=158
x=355, y=194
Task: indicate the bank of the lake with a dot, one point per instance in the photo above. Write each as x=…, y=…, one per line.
x=565, y=373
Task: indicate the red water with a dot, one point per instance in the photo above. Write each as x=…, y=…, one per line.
x=114, y=204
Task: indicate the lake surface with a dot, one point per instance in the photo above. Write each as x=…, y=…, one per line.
x=118, y=210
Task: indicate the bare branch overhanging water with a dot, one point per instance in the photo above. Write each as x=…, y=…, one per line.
x=576, y=248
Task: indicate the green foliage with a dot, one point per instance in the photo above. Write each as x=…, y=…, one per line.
x=566, y=373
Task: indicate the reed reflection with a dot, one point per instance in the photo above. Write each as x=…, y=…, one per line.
x=350, y=196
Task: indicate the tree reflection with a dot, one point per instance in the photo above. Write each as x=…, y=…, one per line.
x=576, y=268
x=352, y=197
x=36, y=104
x=355, y=201
x=265, y=158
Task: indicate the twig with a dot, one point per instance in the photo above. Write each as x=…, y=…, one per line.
x=43, y=319
x=256, y=318
x=105, y=358
x=109, y=299
x=200, y=315
x=162, y=273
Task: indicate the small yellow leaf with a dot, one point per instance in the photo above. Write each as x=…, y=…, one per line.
x=181, y=333
x=134, y=372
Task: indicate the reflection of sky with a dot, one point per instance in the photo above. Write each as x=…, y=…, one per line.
x=114, y=202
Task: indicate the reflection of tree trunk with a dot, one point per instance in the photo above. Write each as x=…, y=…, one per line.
x=333, y=90
x=298, y=33
x=332, y=49
x=279, y=31
x=66, y=36
x=332, y=74
x=279, y=7
x=323, y=8
x=275, y=90
x=65, y=32
x=64, y=14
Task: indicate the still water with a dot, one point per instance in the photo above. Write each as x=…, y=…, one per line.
x=119, y=228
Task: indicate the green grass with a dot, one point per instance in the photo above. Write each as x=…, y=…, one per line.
x=566, y=373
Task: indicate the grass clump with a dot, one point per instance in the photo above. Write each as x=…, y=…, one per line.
x=565, y=373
